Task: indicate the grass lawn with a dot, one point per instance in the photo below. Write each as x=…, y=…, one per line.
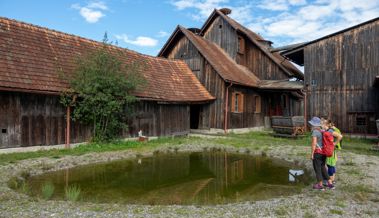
x=252, y=140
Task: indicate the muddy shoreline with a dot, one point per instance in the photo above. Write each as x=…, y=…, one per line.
x=357, y=192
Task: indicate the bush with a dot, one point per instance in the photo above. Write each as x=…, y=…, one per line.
x=102, y=89
x=47, y=190
x=72, y=193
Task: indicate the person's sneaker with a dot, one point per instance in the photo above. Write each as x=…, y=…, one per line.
x=331, y=186
x=318, y=187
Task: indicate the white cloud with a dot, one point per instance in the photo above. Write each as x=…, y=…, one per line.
x=297, y=2
x=288, y=21
x=98, y=5
x=142, y=41
x=162, y=34
x=311, y=21
x=274, y=5
x=92, y=12
x=204, y=7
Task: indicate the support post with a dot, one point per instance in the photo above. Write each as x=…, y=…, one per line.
x=67, y=145
x=226, y=109
x=305, y=107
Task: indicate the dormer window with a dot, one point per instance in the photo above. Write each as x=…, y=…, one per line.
x=241, y=45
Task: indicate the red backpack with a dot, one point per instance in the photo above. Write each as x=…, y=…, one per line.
x=327, y=143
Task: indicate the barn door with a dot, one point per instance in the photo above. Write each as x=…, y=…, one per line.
x=194, y=116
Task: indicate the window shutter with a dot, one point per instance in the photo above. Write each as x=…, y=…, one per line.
x=258, y=106
x=240, y=103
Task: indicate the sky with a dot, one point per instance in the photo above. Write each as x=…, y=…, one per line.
x=145, y=25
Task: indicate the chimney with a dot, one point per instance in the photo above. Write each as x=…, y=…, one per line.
x=266, y=43
x=225, y=11
x=194, y=30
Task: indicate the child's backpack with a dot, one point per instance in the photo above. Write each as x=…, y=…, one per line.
x=328, y=144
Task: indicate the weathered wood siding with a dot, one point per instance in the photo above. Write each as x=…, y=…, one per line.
x=339, y=72
x=271, y=105
x=247, y=118
x=224, y=35
x=36, y=119
x=159, y=119
x=33, y=119
x=259, y=63
x=211, y=115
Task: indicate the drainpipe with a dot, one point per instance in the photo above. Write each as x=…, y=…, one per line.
x=67, y=145
x=226, y=108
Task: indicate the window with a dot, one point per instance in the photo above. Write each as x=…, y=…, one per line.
x=360, y=121
x=314, y=82
x=284, y=101
x=241, y=45
x=237, y=102
x=258, y=105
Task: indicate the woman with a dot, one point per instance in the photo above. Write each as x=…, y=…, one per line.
x=318, y=158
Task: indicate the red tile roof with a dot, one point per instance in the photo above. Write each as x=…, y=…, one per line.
x=284, y=64
x=32, y=57
x=227, y=68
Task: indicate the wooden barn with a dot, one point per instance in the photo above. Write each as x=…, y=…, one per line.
x=31, y=61
x=341, y=72
x=236, y=66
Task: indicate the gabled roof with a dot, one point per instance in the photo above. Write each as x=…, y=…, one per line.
x=228, y=69
x=32, y=57
x=284, y=64
x=224, y=65
x=297, y=53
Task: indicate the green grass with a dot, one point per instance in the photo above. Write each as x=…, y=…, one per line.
x=253, y=141
x=47, y=190
x=338, y=212
x=72, y=193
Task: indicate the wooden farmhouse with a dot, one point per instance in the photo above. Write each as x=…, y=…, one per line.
x=237, y=67
x=341, y=73
x=31, y=58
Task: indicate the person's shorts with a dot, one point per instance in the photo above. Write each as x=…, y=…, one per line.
x=331, y=170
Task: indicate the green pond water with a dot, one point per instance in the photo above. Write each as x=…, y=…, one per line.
x=179, y=178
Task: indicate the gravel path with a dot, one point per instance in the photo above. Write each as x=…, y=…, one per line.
x=356, y=195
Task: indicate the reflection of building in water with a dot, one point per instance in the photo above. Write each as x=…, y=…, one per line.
x=208, y=177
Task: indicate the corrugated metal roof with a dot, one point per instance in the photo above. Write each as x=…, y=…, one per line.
x=32, y=59
x=284, y=64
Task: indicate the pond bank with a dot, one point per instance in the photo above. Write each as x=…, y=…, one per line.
x=357, y=192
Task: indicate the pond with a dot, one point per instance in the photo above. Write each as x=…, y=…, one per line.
x=195, y=178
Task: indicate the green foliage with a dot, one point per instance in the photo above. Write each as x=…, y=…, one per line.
x=72, y=193
x=102, y=89
x=47, y=190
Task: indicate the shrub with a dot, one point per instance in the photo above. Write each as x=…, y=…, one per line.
x=102, y=89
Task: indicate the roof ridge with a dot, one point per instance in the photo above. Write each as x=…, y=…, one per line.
x=49, y=30
x=247, y=31
x=242, y=68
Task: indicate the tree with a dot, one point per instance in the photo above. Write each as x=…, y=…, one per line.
x=101, y=91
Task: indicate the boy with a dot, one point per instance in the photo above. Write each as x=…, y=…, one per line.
x=332, y=161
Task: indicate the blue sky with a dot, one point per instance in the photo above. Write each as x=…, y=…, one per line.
x=145, y=25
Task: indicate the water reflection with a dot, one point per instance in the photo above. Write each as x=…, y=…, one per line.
x=183, y=178
x=293, y=175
